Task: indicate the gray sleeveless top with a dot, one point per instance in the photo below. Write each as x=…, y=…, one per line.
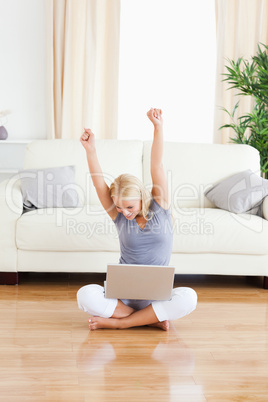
x=149, y=246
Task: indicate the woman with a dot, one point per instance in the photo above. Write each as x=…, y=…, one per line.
x=143, y=222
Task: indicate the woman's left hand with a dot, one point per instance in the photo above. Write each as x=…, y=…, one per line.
x=155, y=115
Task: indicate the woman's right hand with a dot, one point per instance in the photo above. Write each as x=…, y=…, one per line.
x=87, y=139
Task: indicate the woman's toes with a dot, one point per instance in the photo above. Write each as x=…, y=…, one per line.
x=166, y=325
x=93, y=323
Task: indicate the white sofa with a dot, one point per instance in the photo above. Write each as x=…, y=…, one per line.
x=207, y=240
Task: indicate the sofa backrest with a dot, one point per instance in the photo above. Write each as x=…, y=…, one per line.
x=193, y=168
x=115, y=156
x=190, y=168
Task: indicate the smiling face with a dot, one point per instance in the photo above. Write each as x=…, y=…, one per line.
x=129, y=208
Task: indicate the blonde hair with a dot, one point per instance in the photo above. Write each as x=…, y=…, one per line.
x=127, y=186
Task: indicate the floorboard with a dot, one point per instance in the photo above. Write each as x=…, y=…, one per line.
x=218, y=353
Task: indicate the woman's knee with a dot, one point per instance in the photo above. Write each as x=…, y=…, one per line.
x=192, y=295
x=88, y=295
x=189, y=297
x=91, y=299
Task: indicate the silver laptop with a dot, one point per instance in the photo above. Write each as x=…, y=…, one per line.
x=139, y=282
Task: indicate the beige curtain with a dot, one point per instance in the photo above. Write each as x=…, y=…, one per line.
x=82, y=67
x=241, y=25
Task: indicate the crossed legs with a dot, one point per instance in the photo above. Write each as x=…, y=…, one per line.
x=112, y=313
x=126, y=317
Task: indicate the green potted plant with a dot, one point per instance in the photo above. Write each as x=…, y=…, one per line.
x=251, y=79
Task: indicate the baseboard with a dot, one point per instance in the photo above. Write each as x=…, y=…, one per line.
x=9, y=278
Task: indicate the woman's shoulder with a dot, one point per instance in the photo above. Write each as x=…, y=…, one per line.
x=117, y=218
x=156, y=207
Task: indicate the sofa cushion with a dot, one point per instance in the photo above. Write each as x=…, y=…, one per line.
x=67, y=229
x=49, y=188
x=212, y=230
x=239, y=193
x=208, y=230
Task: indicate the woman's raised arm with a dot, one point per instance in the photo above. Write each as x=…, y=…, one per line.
x=88, y=141
x=160, y=188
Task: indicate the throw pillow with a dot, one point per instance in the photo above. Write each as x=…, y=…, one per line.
x=241, y=193
x=49, y=188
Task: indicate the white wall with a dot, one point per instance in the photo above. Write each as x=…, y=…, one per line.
x=22, y=67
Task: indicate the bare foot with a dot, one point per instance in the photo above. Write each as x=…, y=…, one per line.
x=99, y=322
x=163, y=325
x=113, y=323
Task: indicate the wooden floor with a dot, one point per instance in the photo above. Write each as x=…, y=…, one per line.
x=218, y=353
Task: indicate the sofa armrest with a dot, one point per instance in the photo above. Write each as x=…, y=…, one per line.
x=265, y=208
x=11, y=208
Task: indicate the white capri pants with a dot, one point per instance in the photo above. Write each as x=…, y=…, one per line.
x=183, y=301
